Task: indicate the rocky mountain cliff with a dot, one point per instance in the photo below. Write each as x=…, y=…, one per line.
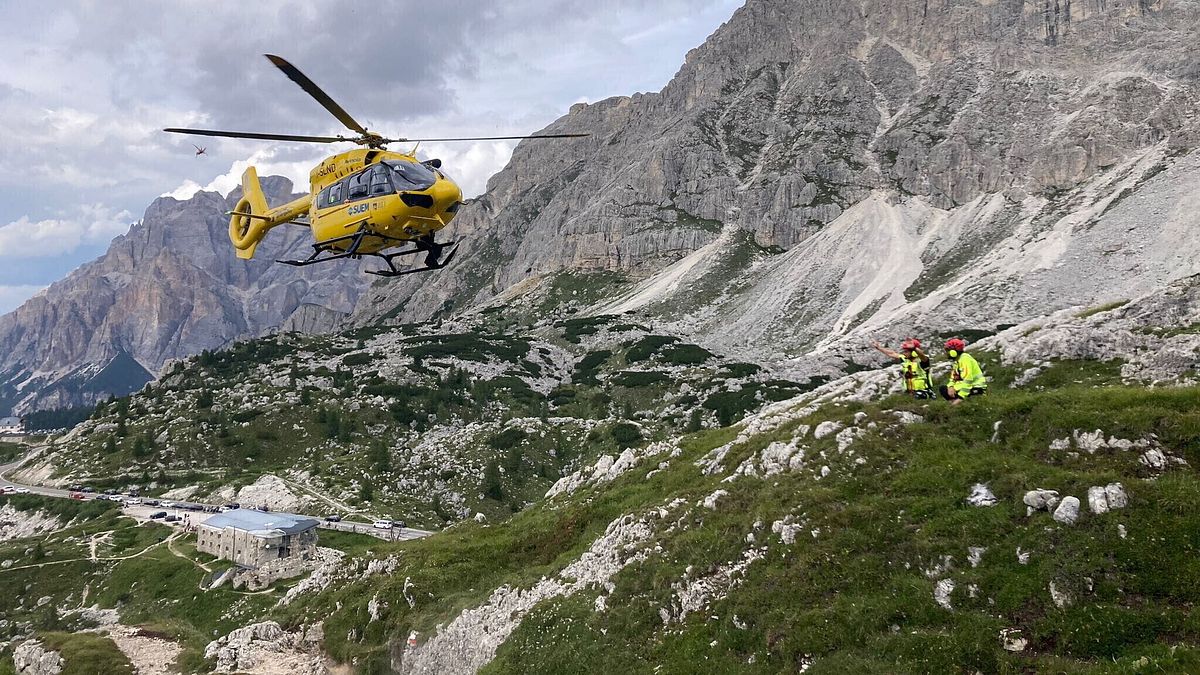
x=169, y=288
x=821, y=170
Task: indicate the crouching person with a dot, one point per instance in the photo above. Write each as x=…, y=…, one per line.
x=914, y=367
x=966, y=377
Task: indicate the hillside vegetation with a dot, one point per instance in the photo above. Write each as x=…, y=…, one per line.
x=425, y=423
x=855, y=551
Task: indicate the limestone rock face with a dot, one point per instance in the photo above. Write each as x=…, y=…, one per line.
x=169, y=288
x=820, y=171
x=32, y=658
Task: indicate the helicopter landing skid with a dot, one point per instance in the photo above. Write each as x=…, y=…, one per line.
x=433, y=254
x=433, y=259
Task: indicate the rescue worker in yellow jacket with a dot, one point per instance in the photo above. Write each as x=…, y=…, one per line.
x=966, y=377
x=914, y=367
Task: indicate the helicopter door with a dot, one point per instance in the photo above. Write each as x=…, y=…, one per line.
x=381, y=181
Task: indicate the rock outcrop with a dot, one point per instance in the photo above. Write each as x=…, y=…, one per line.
x=32, y=658
x=266, y=649
x=170, y=288
x=16, y=524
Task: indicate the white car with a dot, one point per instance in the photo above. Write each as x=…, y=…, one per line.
x=382, y=524
x=169, y=505
x=133, y=501
x=22, y=491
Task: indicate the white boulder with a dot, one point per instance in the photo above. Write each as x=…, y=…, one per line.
x=981, y=495
x=1068, y=511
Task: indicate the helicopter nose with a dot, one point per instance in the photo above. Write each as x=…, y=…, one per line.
x=446, y=195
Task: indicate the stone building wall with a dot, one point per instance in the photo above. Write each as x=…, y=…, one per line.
x=251, y=550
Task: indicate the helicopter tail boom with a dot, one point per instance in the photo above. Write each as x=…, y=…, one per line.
x=252, y=218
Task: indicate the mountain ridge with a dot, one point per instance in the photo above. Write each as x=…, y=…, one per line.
x=167, y=289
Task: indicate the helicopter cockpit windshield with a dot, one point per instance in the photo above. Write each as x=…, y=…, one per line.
x=410, y=175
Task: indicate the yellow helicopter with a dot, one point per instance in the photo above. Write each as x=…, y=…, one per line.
x=362, y=202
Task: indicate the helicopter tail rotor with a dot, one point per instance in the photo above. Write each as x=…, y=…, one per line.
x=249, y=222
x=252, y=218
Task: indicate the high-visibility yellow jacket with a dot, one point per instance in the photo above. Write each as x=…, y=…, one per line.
x=966, y=375
x=915, y=376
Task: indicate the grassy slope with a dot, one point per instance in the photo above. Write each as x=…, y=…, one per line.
x=86, y=654
x=854, y=597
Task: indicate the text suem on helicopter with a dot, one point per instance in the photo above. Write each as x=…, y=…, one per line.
x=362, y=202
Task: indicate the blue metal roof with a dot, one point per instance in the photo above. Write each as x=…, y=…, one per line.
x=251, y=520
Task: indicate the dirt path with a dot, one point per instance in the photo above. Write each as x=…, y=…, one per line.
x=94, y=559
x=95, y=541
x=150, y=654
x=321, y=496
x=177, y=554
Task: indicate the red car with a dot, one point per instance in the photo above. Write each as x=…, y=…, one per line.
x=77, y=495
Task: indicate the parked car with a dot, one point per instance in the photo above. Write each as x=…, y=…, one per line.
x=110, y=491
x=22, y=491
x=401, y=524
x=77, y=495
x=172, y=519
x=169, y=505
x=75, y=488
x=133, y=501
x=88, y=488
x=7, y=490
x=382, y=524
x=150, y=502
x=233, y=505
x=158, y=514
x=333, y=519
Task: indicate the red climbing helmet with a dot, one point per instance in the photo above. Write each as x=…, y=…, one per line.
x=955, y=344
x=910, y=344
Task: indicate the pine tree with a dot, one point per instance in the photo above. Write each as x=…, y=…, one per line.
x=491, y=481
x=695, y=422
x=204, y=399
x=381, y=457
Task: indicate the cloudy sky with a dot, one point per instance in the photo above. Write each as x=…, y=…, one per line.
x=86, y=87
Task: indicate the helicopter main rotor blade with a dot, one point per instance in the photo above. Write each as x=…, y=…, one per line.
x=261, y=137
x=481, y=138
x=314, y=91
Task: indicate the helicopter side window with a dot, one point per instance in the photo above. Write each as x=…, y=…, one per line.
x=412, y=176
x=381, y=182
x=330, y=196
x=360, y=185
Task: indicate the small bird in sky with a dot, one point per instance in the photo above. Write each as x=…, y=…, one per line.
x=199, y=150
